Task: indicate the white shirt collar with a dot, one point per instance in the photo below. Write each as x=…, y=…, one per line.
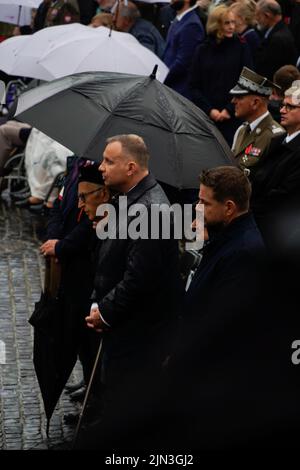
x=291, y=136
x=267, y=33
x=255, y=123
x=179, y=17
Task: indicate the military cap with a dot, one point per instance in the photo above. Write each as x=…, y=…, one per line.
x=252, y=83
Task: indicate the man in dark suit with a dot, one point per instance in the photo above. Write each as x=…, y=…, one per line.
x=276, y=179
x=278, y=46
x=138, y=289
x=224, y=383
x=184, y=35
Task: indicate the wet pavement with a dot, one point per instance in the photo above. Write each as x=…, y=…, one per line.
x=22, y=418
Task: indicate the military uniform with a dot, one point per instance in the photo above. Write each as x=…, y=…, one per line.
x=249, y=146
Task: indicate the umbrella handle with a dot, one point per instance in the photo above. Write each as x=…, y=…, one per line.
x=19, y=14
x=86, y=397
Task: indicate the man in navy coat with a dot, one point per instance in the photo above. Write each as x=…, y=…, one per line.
x=184, y=35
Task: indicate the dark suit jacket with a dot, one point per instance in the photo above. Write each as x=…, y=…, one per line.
x=276, y=190
x=182, y=40
x=137, y=289
x=148, y=35
x=276, y=50
x=295, y=25
x=224, y=267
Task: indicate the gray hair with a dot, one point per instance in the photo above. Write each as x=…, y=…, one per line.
x=129, y=11
x=294, y=92
x=269, y=6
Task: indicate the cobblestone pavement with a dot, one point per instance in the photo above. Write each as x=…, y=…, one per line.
x=22, y=418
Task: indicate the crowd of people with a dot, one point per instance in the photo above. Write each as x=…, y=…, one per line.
x=205, y=365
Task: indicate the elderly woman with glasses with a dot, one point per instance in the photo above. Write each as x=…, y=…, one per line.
x=71, y=242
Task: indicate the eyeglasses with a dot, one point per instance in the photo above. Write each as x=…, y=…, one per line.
x=289, y=107
x=82, y=196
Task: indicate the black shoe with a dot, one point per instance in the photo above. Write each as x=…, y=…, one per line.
x=78, y=395
x=71, y=418
x=73, y=387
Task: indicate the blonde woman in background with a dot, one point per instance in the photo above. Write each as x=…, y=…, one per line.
x=217, y=65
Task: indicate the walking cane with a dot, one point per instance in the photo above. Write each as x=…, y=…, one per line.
x=86, y=397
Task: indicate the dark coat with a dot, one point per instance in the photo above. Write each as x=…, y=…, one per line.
x=137, y=288
x=182, y=40
x=224, y=267
x=252, y=38
x=215, y=71
x=276, y=50
x=148, y=35
x=235, y=384
x=295, y=25
x=276, y=190
x=73, y=250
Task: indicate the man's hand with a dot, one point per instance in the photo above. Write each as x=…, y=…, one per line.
x=48, y=248
x=94, y=320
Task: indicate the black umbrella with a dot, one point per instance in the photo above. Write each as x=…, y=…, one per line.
x=56, y=342
x=81, y=111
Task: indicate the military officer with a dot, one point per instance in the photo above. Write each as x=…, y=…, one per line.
x=250, y=98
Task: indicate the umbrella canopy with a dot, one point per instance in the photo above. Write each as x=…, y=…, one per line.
x=22, y=3
x=103, y=50
x=21, y=57
x=8, y=49
x=13, y=14
x=83, y=110
x=43, y=54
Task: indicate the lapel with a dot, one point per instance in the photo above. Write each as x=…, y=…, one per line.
x=176, y=24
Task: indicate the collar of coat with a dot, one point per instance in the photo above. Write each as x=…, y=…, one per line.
x=137, y=192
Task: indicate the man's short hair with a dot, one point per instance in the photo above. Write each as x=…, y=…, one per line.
x=269, y=6
x=285, y=76
x=228, y=182
x=133, y=146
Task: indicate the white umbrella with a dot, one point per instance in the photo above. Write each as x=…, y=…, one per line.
x=19, y=55
x=13, y=14
x=8, y=51
x=22, y=3
x=102, y=50
x=17, y=11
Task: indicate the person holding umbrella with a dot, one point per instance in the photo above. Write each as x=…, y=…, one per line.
x=70, y=243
